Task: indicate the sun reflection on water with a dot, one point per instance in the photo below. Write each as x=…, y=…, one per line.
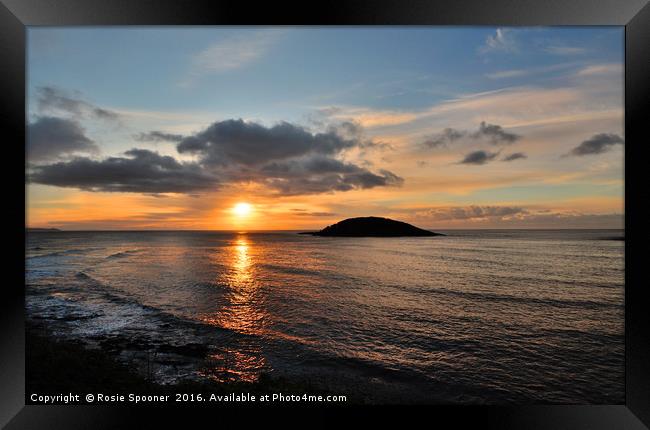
x=243, y=312
x=241, y=262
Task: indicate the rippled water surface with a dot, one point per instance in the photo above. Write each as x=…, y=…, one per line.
x=475, y=316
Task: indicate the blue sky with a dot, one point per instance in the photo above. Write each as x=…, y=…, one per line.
x=385, y=67
x=401, y=87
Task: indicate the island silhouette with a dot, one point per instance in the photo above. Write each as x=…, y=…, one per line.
x=371, y=227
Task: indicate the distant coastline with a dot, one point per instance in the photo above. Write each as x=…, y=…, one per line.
x=39, y=229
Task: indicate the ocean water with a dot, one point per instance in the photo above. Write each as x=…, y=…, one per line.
x=477, y=316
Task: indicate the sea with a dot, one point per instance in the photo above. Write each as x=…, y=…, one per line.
x=472, y=317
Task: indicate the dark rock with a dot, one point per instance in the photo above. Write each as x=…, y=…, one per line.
x=189, y=350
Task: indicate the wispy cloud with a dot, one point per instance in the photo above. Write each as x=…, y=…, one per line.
x=368, y=117
x=502, y=41
x=511, y=107
x=515, y=156
x=516, y=73
x=565, y=50
x=58, y=101
x=472, y=212
x=507, y=74
x=232, y=53
x=515, y=216
x=601, y=69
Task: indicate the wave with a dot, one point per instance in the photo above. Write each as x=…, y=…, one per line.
x=123, y=254
x=492, y=297
x=73, y=251
x=295, y=270
x=95, y=291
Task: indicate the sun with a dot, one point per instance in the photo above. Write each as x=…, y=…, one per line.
x=242, y=209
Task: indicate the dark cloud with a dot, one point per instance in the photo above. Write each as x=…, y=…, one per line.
x=319, y=174
x=354, y=132
x=478, y=157
x=49, y=138
x=252, y=144
x=158, y=136
x=143, y=172
x=447, y=136
x=285, y=158
x=597, y=144
x=311, y=165
x=514, y=156
x=495, y=134
x=51, y=98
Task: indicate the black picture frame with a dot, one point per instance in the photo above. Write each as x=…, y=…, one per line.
x=16, y=15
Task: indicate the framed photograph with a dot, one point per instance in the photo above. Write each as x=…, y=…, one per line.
x=379, y=210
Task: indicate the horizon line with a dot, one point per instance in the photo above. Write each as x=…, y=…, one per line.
x=292, y=230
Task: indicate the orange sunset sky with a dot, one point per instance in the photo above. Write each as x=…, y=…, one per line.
x=297, y=128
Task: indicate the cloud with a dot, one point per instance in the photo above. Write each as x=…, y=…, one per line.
x=319, y=174
x=51, y=99
x=367, y=117
x=573, y=100
x=502, y=41
x=305, y=213
x=597, y=144
x=514, y=156
x=49, y=138
x=142, y=172
x=447, y=136
x=285, y=158
x=515, y=217
x=565, y=50
x=601, y=69
x=250, y=144
x=507, y=74
x=495, y=134
x=232, y=53
x=472, y=212
x=515, y=73
x=478, y=157
x=158, y=136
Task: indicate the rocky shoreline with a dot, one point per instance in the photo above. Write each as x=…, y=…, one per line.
x=55, y=365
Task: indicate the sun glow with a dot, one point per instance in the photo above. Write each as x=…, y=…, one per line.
x=242, y=209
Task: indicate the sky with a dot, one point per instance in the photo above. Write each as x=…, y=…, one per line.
x=290, y=128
